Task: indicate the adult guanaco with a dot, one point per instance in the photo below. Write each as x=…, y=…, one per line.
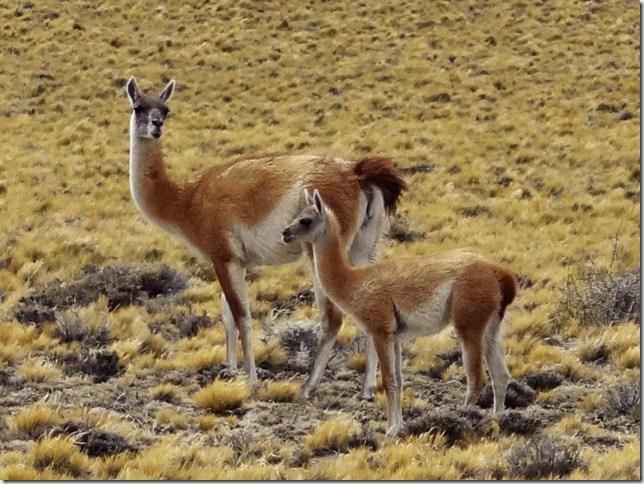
x=403, y=298
x=234, y=211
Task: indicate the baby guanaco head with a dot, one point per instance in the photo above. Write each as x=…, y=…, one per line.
x=149, y=112
x=309, y=223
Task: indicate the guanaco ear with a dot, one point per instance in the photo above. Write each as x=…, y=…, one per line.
x=166, y=94
x=132, y=90
x=308, y=199
x=317, y=201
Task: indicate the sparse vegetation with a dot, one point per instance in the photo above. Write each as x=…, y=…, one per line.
x=518, y=140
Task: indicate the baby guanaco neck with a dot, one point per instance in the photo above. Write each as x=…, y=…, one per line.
x=332, y=262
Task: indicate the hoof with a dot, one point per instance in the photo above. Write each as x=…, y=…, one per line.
x=308, y=393
x=394, y=431
x=366, y=396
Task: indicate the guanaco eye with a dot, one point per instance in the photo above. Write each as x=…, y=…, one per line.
x=306, y=222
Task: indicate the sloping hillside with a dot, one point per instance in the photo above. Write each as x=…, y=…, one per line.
x=516, y=125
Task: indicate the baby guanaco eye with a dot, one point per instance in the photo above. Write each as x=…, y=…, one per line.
x=306, y=222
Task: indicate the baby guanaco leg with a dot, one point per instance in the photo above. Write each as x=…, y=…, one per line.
x=475, y=299
x=386, y=350
x=331, y=319
x=472, y=346
x=495, y=361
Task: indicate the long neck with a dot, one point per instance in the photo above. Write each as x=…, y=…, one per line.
x=155, y=194
x=332, y=265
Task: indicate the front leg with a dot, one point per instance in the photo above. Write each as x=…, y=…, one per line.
x=331, y=322
x=236, y=315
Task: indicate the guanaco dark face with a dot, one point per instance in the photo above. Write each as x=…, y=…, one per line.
x=309, y=222
x=149, y=112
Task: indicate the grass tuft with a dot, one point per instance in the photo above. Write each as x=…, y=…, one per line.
x=168, y=418
x=39, y=370
x=332, y=436
x=32, y=421
x=222, y=395
x=279, y=391
x=61, y=456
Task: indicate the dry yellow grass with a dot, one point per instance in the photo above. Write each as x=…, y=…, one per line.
x=32, y=419
x=517, y=127
x=60, y=456
x=279, y=391
x=335, y=432
x=223, y=395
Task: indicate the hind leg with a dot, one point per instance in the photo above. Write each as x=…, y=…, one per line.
x=363, y=250
x=472, y=347
x=475, y=300
x=231, y=333
x=495, y=361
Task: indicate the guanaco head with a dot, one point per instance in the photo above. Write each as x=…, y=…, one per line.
x=148, y=112
x=309, y=223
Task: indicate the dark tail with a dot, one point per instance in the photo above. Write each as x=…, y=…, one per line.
x=508, y=283
x=381, y=173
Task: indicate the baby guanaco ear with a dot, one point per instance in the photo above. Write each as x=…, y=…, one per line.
x=317, y=201
x=166, y=94
x=132, y=90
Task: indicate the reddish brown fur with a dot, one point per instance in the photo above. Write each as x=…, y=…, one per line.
x=415, y=296
x=508, y=283
x=224, y=211
x=381, y=172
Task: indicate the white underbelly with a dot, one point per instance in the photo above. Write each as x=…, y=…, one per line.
x=431, y=317
x=261, y=244
x=255, y=249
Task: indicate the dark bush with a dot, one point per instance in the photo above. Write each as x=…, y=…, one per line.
x=518, y=423
x=121, y=285
x=518, y=395
x=189, y=323
x=101, y=365
x=71, y=327
x=458, y=426
x=598, y=296
x=543, y=457
x=544, y=380
x=94, y=442
x=624, y=399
